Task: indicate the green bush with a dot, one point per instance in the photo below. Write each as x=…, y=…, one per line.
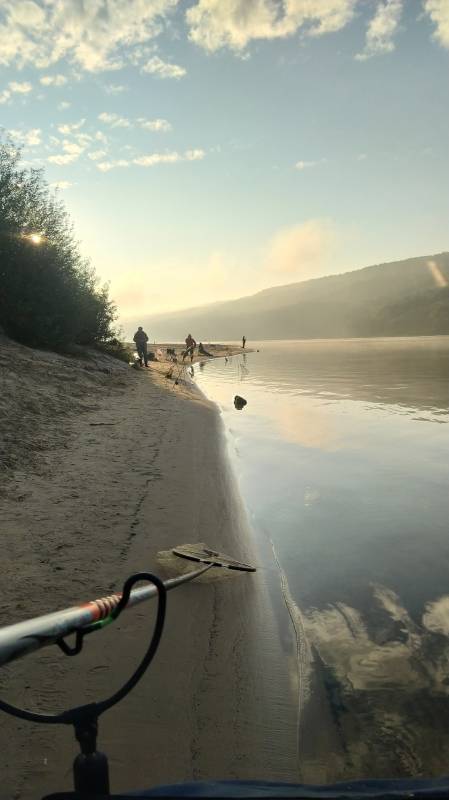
x=49, y=294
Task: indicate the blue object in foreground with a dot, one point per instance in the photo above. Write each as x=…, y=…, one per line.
x=410, y=788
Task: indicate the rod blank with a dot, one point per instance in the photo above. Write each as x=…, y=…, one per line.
x=26, y=637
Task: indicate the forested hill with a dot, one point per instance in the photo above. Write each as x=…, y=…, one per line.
x=401, y=298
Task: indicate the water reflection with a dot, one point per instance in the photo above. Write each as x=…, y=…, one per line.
x=409, y=372
x=350, y=489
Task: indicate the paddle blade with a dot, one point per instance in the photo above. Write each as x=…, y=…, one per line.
x=199, y=552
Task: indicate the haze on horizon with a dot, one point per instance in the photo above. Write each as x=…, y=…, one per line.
x=207, y=150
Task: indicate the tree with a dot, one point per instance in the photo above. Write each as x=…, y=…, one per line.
x=49, y=294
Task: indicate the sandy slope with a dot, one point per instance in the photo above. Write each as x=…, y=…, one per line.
x=102, y=471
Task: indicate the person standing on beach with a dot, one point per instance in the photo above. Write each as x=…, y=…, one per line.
x=243, y=341
x=190, y=347
x=141, y=339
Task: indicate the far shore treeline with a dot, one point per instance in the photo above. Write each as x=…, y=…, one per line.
x=49, y=293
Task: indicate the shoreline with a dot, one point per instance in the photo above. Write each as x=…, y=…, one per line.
x=140, y=471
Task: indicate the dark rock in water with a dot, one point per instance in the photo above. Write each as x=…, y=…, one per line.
x=239, y=402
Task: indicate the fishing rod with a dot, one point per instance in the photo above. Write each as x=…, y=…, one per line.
x=22, y=638
x=90, y=768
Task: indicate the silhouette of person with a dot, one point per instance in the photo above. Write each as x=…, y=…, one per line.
x=202, y=351
x=190, y=347
x=141, y=339
x=243, y=341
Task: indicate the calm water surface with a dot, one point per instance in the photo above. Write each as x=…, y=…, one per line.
x=342, y=460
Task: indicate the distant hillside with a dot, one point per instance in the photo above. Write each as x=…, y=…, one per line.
x=402, y=298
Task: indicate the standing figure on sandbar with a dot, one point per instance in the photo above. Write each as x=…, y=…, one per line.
x=141, y=339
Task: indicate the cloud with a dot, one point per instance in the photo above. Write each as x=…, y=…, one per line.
x=382, y=29
x=69, y=127
x=101, y=137
x=156, y=66
x=82, y=138
x=74, y=148
x=61, y=185
x=15, y=88
x=301, y=165
x=106, y=166
x=113, y=88
x=62, y=159
x=169, y=158
x=302, y=250
x=214, y=24
x=20, y=88
x=53, y=80
x=155, y=124
x=92, y=35
x=114, y=120
x=30, y=138
x=63, y=105
x=96, y=155
x=438, y=11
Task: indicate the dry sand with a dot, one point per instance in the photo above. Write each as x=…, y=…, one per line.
x=104, y=467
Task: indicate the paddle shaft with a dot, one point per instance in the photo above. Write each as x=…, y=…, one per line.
x=25, y=637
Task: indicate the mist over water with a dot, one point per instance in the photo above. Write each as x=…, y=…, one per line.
x=342, y=459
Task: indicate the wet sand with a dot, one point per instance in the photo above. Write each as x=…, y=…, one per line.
x=130, y=469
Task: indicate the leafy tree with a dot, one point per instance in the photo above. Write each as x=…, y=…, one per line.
x=49, y=294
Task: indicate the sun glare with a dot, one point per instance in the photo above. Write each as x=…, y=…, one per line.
x=36, y=238
x=437, y=275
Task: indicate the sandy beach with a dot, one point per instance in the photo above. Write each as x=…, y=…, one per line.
x=105, y=469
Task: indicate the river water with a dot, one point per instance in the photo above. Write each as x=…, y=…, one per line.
x=341, y=455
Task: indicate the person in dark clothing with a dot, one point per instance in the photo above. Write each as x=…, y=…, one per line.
x=190, y=348
x=203, y=352
x=141, y=339
x=243, y=341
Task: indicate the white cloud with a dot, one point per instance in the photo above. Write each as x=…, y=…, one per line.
x=89, y=34
x=113, y=88
x=20, y=88
x=101, y=137
x=382, y=29
x=53, y=80
x=74, y=148
x=156, y=66
x=95, y=155
x=157, y=125
x=83, y=138
x=214, y=24
x=114, y=120
x=15, y=88
x=63, y=105
x=106, y=166
x=69, y=127
x=169, y=158
x=30, y=138
x=438, y=11
x=61, y=185
x=62, y=159
x=194, y=155
x=301, y=165
x=302, y=250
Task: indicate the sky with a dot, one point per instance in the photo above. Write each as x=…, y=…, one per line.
x=207, y=149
